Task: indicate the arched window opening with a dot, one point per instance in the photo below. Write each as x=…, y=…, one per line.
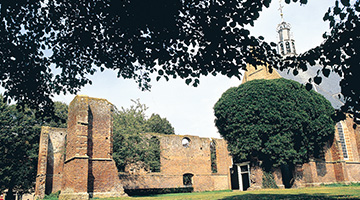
x=288, y=49
x=186, y=142
x=213, y=156
x=282, y=49
x=187, y=179
x=342, y=140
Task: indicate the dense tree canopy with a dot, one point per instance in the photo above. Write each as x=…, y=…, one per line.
x=133, y=143
x=275, y=121
x=19, y=144
x=186, y=38
x=156, y=124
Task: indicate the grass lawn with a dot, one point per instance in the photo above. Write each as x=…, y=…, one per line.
x=318, y=193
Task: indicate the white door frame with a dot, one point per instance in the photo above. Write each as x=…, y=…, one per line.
x=239, y=165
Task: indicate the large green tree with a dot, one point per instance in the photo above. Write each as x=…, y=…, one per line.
x=131, y=36
x=19, y=145
x=275, y=121
x=133, y=143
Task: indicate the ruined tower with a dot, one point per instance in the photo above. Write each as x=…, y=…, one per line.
x=85, y=167
x=89, y=169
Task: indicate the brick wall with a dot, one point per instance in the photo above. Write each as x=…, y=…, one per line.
x=42, y=162
x=89, y=170
x=55, y=161
x=177, y=160
x=76, y=166
x=261, y=72
x=51, y=161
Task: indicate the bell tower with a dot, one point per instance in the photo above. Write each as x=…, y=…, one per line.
x=286, y=44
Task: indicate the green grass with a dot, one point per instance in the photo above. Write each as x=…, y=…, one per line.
x=52, y=196
x=342, y=185
x=313, y=193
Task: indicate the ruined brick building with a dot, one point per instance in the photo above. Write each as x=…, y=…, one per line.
x=78, y=160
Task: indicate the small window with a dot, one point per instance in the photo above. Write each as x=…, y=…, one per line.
x=293, y=46
x=244, y=168
x=288, y=50
x=282, y=49
x=185, y=142
x=187, y=179
x=342, y=140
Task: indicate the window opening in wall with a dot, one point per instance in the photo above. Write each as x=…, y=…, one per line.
x=154, y=157
x=64, y=148
x=342, y=140
x=213, y=156
x=293, y=46
x=244, y=168
x=185, y=142
x=187, y=179
x=282, y=49
x=288, y=50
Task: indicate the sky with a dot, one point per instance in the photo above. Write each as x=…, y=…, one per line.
x=190, y=109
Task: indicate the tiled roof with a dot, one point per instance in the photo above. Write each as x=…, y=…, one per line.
x=329, y=87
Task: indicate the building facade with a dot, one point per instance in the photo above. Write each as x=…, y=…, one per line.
x=78, y=160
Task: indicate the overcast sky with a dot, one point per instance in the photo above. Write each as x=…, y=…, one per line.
x=189, y=109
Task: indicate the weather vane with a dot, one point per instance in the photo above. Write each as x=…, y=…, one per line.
x=281, y=11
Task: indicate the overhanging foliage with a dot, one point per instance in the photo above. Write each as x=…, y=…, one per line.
x=186, y=38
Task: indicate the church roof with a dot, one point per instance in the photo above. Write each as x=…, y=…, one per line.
x=329, y=87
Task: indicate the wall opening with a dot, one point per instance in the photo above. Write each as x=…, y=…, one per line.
x=186, y=142
x=240, y=176
x=245, y=176
x=90, y=152
x=282, y=49
x=342, y=140
x=49, y=168
x=287, y=175
x=234, y=176
x=187, y=179
x=213, y=157
x=154, y=146
x=288, y=50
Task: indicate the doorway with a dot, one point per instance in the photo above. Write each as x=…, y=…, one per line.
x=240, y=176
x=234, y=176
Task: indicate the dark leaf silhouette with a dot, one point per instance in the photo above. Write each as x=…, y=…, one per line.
x=53, y=47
